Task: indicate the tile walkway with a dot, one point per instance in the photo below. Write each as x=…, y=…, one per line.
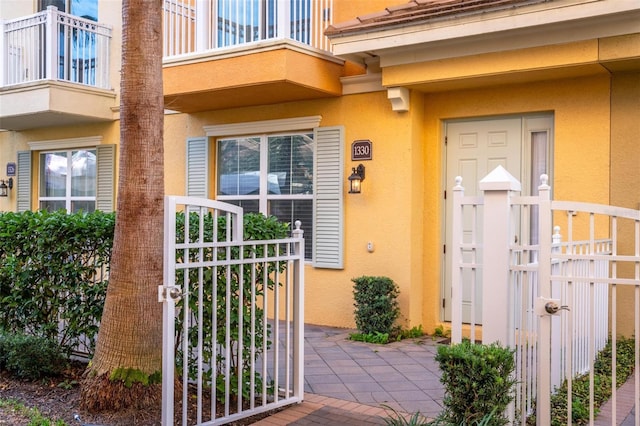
x=347, y=383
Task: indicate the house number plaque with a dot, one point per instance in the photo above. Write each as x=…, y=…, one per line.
x=361, y=150
x=11, y=169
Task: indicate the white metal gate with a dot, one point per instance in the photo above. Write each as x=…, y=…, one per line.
x=233, y=324
x=553, y=296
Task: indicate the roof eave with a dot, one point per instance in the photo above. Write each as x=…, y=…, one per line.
x=596, y=19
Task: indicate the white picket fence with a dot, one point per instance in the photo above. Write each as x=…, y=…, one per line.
x=545, y=295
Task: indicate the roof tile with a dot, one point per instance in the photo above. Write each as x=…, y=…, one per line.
x=423, y=11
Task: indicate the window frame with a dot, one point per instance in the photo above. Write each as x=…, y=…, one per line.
x=264, y=196
x=329, y=165
x=29, y=170
x=67, y=198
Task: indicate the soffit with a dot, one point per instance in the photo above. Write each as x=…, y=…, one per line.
x=431, y=30
x=253, y=76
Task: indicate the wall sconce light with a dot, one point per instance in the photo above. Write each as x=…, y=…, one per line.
x=5, y=187
x=356, y=178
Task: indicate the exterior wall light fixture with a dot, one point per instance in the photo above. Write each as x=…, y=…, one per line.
x=5, y=187
x=356, y=178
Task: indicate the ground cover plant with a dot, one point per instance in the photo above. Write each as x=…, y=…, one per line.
x=625, y=363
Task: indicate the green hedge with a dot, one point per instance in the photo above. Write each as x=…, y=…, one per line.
x=30, y=357
x=376, y=304
x=49, y=272
x=477, y=381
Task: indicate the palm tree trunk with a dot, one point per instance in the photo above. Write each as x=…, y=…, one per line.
x=129, y=349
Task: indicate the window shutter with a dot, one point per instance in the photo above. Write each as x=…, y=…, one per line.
x=328, y=200
x=197, y=167
x=23, y=184
x=106, y=156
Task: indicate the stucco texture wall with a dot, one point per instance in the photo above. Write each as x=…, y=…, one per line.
x=383, y=213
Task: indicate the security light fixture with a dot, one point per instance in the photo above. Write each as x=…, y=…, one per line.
x=5, y=187
x=355, y=180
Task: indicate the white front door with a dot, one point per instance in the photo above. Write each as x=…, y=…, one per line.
x=473, y=149
x=523, y=146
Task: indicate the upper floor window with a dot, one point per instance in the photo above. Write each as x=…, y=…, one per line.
x=270, y=174
x=242, y=21
x=87, y=9
x=68, y=180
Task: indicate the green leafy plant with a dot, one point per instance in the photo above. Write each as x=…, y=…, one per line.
x=396, y=418
x=53, y=270
x=412, y=333
x=376, y=304
x=377, y=337
x=33, y=414
x=478, y=383
x=252, y=284
x=625, y=363
x=30, y=357
x=440, y=331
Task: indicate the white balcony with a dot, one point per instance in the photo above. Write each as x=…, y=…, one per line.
x=233, y=53
x=199, y=26
x=55, y=71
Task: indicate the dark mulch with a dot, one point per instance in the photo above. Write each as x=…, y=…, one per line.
x=59, y=399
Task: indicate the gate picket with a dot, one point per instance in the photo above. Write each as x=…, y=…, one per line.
x=232, y=359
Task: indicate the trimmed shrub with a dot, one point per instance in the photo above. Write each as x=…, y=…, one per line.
x=51, y=271
x=30, y=357
x=376, y=304
x=478, y=383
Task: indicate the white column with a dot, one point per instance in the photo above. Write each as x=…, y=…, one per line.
x=203, y=24
x=284, y=20
x=543, y=391
x=51, y=39
x=497, y=316
x=456, y=262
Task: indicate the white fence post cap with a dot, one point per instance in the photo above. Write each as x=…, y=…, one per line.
x=500, y=180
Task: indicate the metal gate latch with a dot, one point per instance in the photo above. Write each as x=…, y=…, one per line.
x=169, y=292
x=546, y=306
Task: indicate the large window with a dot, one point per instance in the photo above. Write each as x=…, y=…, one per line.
x=270, y=174
x=68, y=180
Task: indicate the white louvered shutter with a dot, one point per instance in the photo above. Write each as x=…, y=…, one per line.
x=105, y=165
x=197, y=167
x=328, y=200
x=23, y=184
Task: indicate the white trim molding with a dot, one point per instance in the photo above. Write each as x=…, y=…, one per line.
x=265, y=126
x=364, y=83
x=88, y=141
x=399, y=97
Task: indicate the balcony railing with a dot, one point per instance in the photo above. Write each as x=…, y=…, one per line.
x=53, y=45
x=198, y=26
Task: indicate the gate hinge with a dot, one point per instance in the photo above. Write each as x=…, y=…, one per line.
x=169, y=292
